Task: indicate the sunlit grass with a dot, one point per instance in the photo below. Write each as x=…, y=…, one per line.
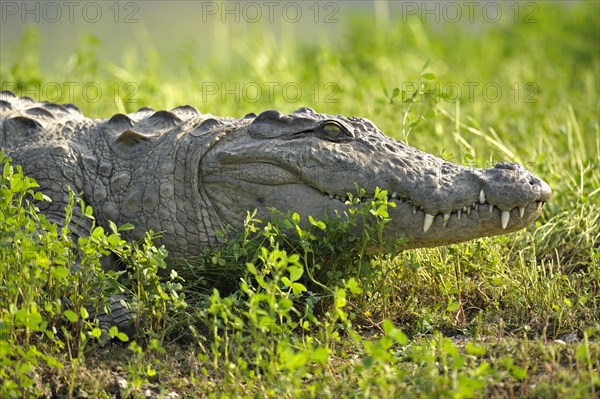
x=513, y=315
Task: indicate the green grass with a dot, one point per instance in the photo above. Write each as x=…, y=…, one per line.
x=509, y=316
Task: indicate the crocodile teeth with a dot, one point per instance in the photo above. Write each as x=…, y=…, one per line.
x=539, y=205
x=446, y=218
x=468, y=210
x=491, y=208
x=481, y=197
x=521, y=211
x=331, y=196
x=459, y=214
x=505, y=219
x=394, y=195
x=414, y=209
x=427, y=222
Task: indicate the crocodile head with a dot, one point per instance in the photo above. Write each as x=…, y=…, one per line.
x=308, y=162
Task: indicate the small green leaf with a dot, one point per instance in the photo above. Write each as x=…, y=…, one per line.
x=453, y=306
x=295, y=272
x=251, y=268
x=340, y=300
x=320, y=225
x=60, y=272
x=298, y=288
x=70, y=315
x=112, y=226
x=285, y=304
x=428, y=76
x=518, y=372
x=113, y=331
x=296, y=218
x=353, y=286
x=382, y=211
x=98, y=232
x=89, y=211
x=96, y=332
x=321, y=355
x=113, y=239
x=474, y=349
x=39, y=196
x=53, y=362
x=126, y=226
x=388, y=326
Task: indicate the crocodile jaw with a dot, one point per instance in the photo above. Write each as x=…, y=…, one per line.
x=480, y=220
x=437, y=202
x=408, y=222
x=261, y=186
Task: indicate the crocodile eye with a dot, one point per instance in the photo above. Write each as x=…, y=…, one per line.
x=331, y=131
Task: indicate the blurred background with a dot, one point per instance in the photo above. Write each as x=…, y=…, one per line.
x=217, y=27
x=264, y=42
x=411, y=66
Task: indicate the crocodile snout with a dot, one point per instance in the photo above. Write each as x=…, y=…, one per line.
x=542, y=188
x=507, y=185
x=537, y=185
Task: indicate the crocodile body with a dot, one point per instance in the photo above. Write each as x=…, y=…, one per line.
x=189, y=174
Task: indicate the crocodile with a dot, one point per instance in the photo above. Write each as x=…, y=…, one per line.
x=189, y=175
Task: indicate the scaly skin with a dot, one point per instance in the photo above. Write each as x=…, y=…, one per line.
x=307, y=162
x=189, y=174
